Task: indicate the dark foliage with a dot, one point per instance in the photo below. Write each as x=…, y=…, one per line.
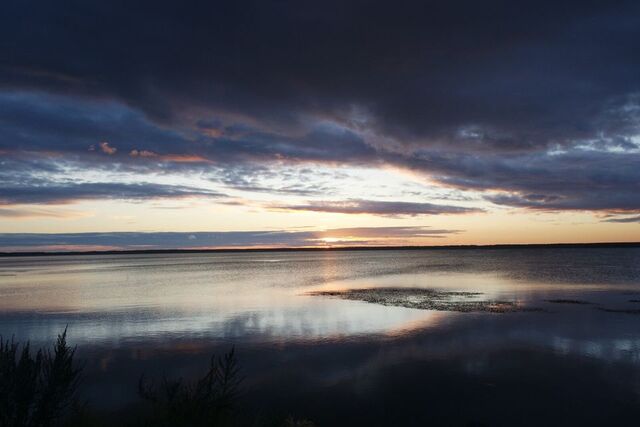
x=208, y=401
x=37, y=389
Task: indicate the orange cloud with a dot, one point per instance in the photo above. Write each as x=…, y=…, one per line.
x=107, y=149
x=185, y=158
x=176, y=158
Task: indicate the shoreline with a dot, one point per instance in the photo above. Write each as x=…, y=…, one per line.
x=329, y=248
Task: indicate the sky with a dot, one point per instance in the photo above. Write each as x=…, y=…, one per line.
x=202, y=124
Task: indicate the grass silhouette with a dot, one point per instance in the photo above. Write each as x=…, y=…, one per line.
x=37, y=389
x=208, y=401
x=40, y=389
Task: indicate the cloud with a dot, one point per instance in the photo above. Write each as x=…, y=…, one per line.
x=577, y=180
x=377, y=207
x=33, y=179
x=601, y=175
x=27, y=213
x=33, y=121
x=60, y=193
x=429, y=71
x=183, y=240
x=279, y=179
x=142, y=153
x=107, y=149
x=539, y=110
x=386, y=232
x=623, y=220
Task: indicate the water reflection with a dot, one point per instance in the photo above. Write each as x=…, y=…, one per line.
x=470, y=368
x=340, y=362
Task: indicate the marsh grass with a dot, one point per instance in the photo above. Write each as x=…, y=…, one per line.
x=208, y=401
x=40, y=389
x=37, y=389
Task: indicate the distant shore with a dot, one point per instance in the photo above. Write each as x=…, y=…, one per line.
x=327, y=248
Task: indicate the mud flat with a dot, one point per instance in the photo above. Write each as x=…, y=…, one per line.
x=426, y=299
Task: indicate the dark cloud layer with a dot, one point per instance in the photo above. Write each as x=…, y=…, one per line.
x=64, y=193
x=536, y=102
x=574, y=180
x=377, y=207
x=624, y=220
x=179, y=240
x=525, y=73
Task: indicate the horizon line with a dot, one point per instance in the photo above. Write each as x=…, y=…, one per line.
x=321, y=248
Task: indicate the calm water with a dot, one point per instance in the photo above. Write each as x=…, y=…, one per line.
x=342, y=362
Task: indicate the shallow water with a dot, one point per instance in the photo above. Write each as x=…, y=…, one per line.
x=344, y=362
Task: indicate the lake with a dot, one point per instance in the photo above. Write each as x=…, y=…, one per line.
x=524, y=336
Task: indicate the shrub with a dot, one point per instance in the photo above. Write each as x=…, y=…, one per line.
x=207, y=401
x=37, y=390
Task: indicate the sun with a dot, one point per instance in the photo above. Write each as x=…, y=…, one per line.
x=331, y=240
